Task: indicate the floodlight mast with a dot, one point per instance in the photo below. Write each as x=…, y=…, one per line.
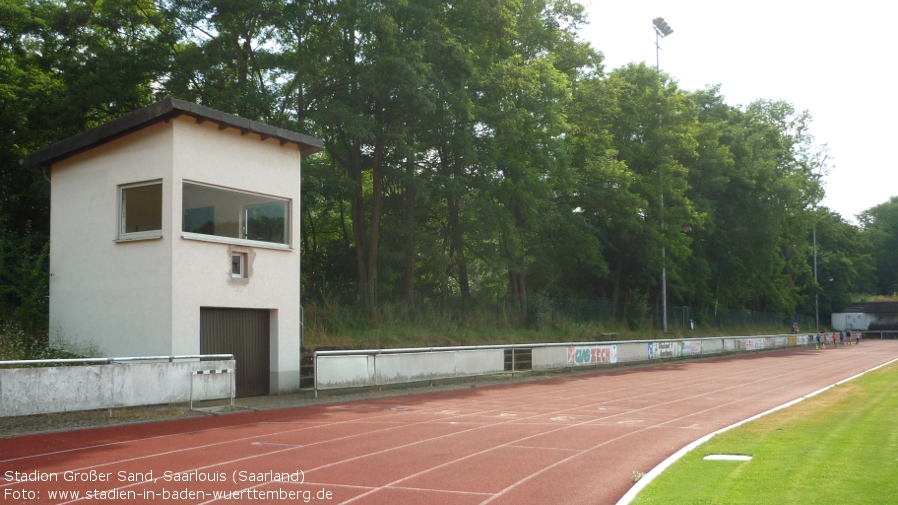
x=662, y=29
x=817, y=290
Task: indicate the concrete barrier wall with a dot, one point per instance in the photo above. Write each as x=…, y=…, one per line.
x=713, y=346
x=549, y=358
x=28, y=391
x=480, y=362
x=347, y=371
x=403, y=368
x=628, y=352
x=374, y=368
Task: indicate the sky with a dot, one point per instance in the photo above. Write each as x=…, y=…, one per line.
x=835, y=60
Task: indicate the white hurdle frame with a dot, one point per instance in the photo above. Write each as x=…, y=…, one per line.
x=229, y=371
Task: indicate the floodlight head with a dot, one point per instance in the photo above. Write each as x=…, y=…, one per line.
x=661, y=27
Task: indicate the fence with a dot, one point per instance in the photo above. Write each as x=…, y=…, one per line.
x=380, y=367
x=678, y=316
x=541, y=311
x=105, y=383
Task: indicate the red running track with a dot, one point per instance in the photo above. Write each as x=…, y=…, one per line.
x=574, y=440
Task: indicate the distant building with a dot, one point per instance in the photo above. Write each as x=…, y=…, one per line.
x=174, y=230
x=867, y=316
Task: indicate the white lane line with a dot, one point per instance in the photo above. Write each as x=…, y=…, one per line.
x=404, y=426
x=654, y=472
x=508, y=444
x=526, y=395
x=680, y=386
x=451, y=491
x=658, y=425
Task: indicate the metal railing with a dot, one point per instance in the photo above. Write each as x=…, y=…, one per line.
x=112, y=361
x=528, y=346
x=113, y=382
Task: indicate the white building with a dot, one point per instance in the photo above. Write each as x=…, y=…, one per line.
x=175, y=230
x=868, y=316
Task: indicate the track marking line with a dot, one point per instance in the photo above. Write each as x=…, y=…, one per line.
x=654, y=472
x=659, y=425
x=452, y=491
x=292, y=448
x=698, y=380
x=210, y=430
x=328, y=484
x=274, y=443
x=535, y=447
x=528, y=395
x=391, y=484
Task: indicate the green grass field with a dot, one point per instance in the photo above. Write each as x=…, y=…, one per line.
x=839, y=447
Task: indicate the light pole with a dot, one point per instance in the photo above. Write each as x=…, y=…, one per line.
x=662, y=29
x=816, y=284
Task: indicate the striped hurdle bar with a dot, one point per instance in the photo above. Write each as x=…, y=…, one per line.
x=212, y=372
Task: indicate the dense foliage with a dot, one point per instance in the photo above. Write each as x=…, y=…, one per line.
x=475, y=151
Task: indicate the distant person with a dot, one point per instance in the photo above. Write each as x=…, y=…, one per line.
x=818, y=339
x=857, y=338
x=842, y=337
x=794, y=327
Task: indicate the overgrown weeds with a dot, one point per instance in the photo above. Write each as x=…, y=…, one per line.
x=394, y=325
x=17, y=344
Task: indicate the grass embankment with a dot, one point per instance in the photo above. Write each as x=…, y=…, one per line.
x=839, y=447
x=395, y=334
x=409, y=335
x=392, y=326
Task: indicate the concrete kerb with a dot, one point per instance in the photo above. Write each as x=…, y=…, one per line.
x=664, y=465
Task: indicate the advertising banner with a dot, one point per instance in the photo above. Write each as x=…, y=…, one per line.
x=591, y=355
x=754, y=344
x=692, y=347
x=660, y=350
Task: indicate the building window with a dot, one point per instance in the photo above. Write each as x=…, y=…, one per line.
x=141, y=211
x=238, y=265
x=235, y=214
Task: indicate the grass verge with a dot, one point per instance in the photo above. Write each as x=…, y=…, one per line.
x=342, y=326
x=838, y=447
x=414, y=335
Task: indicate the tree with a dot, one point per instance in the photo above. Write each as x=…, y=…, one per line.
x=67, y=66
x=880, y=228
x=652, y=131
x=844, y=264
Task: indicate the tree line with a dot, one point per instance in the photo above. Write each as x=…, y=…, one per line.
x=475, y=150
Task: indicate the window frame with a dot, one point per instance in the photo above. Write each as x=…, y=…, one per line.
x=288, y=218
x=124, y=236
x=242, y=260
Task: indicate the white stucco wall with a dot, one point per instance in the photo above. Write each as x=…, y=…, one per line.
x=114, y=296
x=201, y=275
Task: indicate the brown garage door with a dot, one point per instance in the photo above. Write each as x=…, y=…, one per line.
x=246, y=334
